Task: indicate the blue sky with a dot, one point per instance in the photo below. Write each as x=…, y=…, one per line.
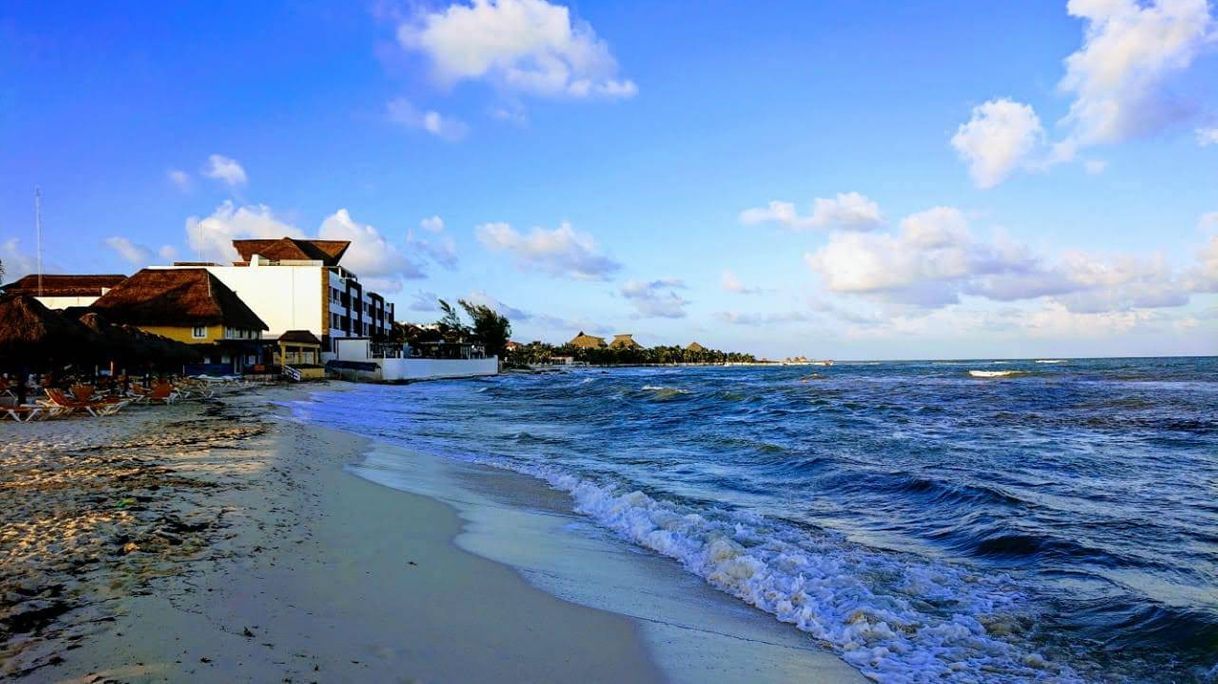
x=830, y=179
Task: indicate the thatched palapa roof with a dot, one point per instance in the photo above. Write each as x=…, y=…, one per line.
x=31, y=332
x=300, y=337
x=329, y=252
x=587, y=341
x=177, y=297
x=58, y=285
x=695, y=347
x=624, y=341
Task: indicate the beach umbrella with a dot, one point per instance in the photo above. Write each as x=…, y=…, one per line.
x=35, y=336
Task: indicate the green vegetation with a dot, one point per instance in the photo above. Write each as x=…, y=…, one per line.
x=541, y=353
x=487, y=327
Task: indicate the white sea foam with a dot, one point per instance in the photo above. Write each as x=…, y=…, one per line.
x=828, y=587
x=663, y=389
x=993, y=374
x=1050, y=360
x=894, y=617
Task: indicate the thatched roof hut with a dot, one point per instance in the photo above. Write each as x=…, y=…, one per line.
x=624, y=341
x=583, y=341
x=32, y=334
x=695, y=347
x=56, y=285
x=178, y=297
x=329, y=252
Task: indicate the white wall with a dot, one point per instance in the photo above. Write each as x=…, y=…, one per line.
x=65, y=302
x=422, y=369
x=284, y=297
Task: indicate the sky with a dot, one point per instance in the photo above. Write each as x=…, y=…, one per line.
x=834, y=180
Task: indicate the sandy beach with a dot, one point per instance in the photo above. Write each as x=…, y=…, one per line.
x=222, y=541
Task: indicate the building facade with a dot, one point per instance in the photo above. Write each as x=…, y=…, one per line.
x=297, y=284
x=189, y=305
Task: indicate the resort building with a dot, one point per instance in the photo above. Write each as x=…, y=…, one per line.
x=583, y=341
x=624, y=341
x=189, y=305
x=297, y=284
x=63, y=291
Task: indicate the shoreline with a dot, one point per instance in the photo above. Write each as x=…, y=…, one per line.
x=297, y=567
x=316, y=574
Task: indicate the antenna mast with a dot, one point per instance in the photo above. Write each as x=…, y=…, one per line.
x=38, y=232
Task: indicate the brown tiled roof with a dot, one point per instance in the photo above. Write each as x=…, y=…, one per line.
x=330, y=252
x=300, y=337
x=64, y=285
x=177, y=297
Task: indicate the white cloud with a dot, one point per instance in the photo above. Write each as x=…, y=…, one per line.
x=167, y=252
x=1000, y=137
x=752, y=319
x=441, y=249
x=529, y=46
x=1207, y=136
x=371, y=256
x=137, y=255
x=559, y=252
x=1095, y=167
x=225, y=169
x=212, y=237
x=656, y=298
x=731, y=283
x=1129, y=50
x=180, y=179
x=424, y=301
x=846, y=211
x=400, y=111
x=934, y=260
x=16, y=262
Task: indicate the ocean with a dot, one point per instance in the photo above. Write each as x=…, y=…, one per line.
x=945, y=520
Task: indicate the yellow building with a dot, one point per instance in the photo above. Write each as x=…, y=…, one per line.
x=188, y=305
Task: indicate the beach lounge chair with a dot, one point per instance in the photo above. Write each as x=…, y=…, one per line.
x=56, y=399
x=82, y=392
x=10, y=409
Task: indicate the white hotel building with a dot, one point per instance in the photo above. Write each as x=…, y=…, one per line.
x=295, y=284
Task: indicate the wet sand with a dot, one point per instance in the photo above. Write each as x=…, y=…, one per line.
x=216, y=542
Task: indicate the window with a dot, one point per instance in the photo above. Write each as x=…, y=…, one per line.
x=333, y=320
x=199, y=332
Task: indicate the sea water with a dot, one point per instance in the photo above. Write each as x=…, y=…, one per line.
x=958, y=520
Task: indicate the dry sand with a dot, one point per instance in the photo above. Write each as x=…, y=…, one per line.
x=215, y=542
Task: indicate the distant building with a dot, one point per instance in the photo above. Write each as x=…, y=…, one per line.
x=624, y=341
x=296, y=284
x=63, y=291
x=582, y=341
x=695, y=347
x=188, y=305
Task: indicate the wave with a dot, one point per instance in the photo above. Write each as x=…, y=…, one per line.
x=994, y=374
x=1050, y=360
x=892, y=616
